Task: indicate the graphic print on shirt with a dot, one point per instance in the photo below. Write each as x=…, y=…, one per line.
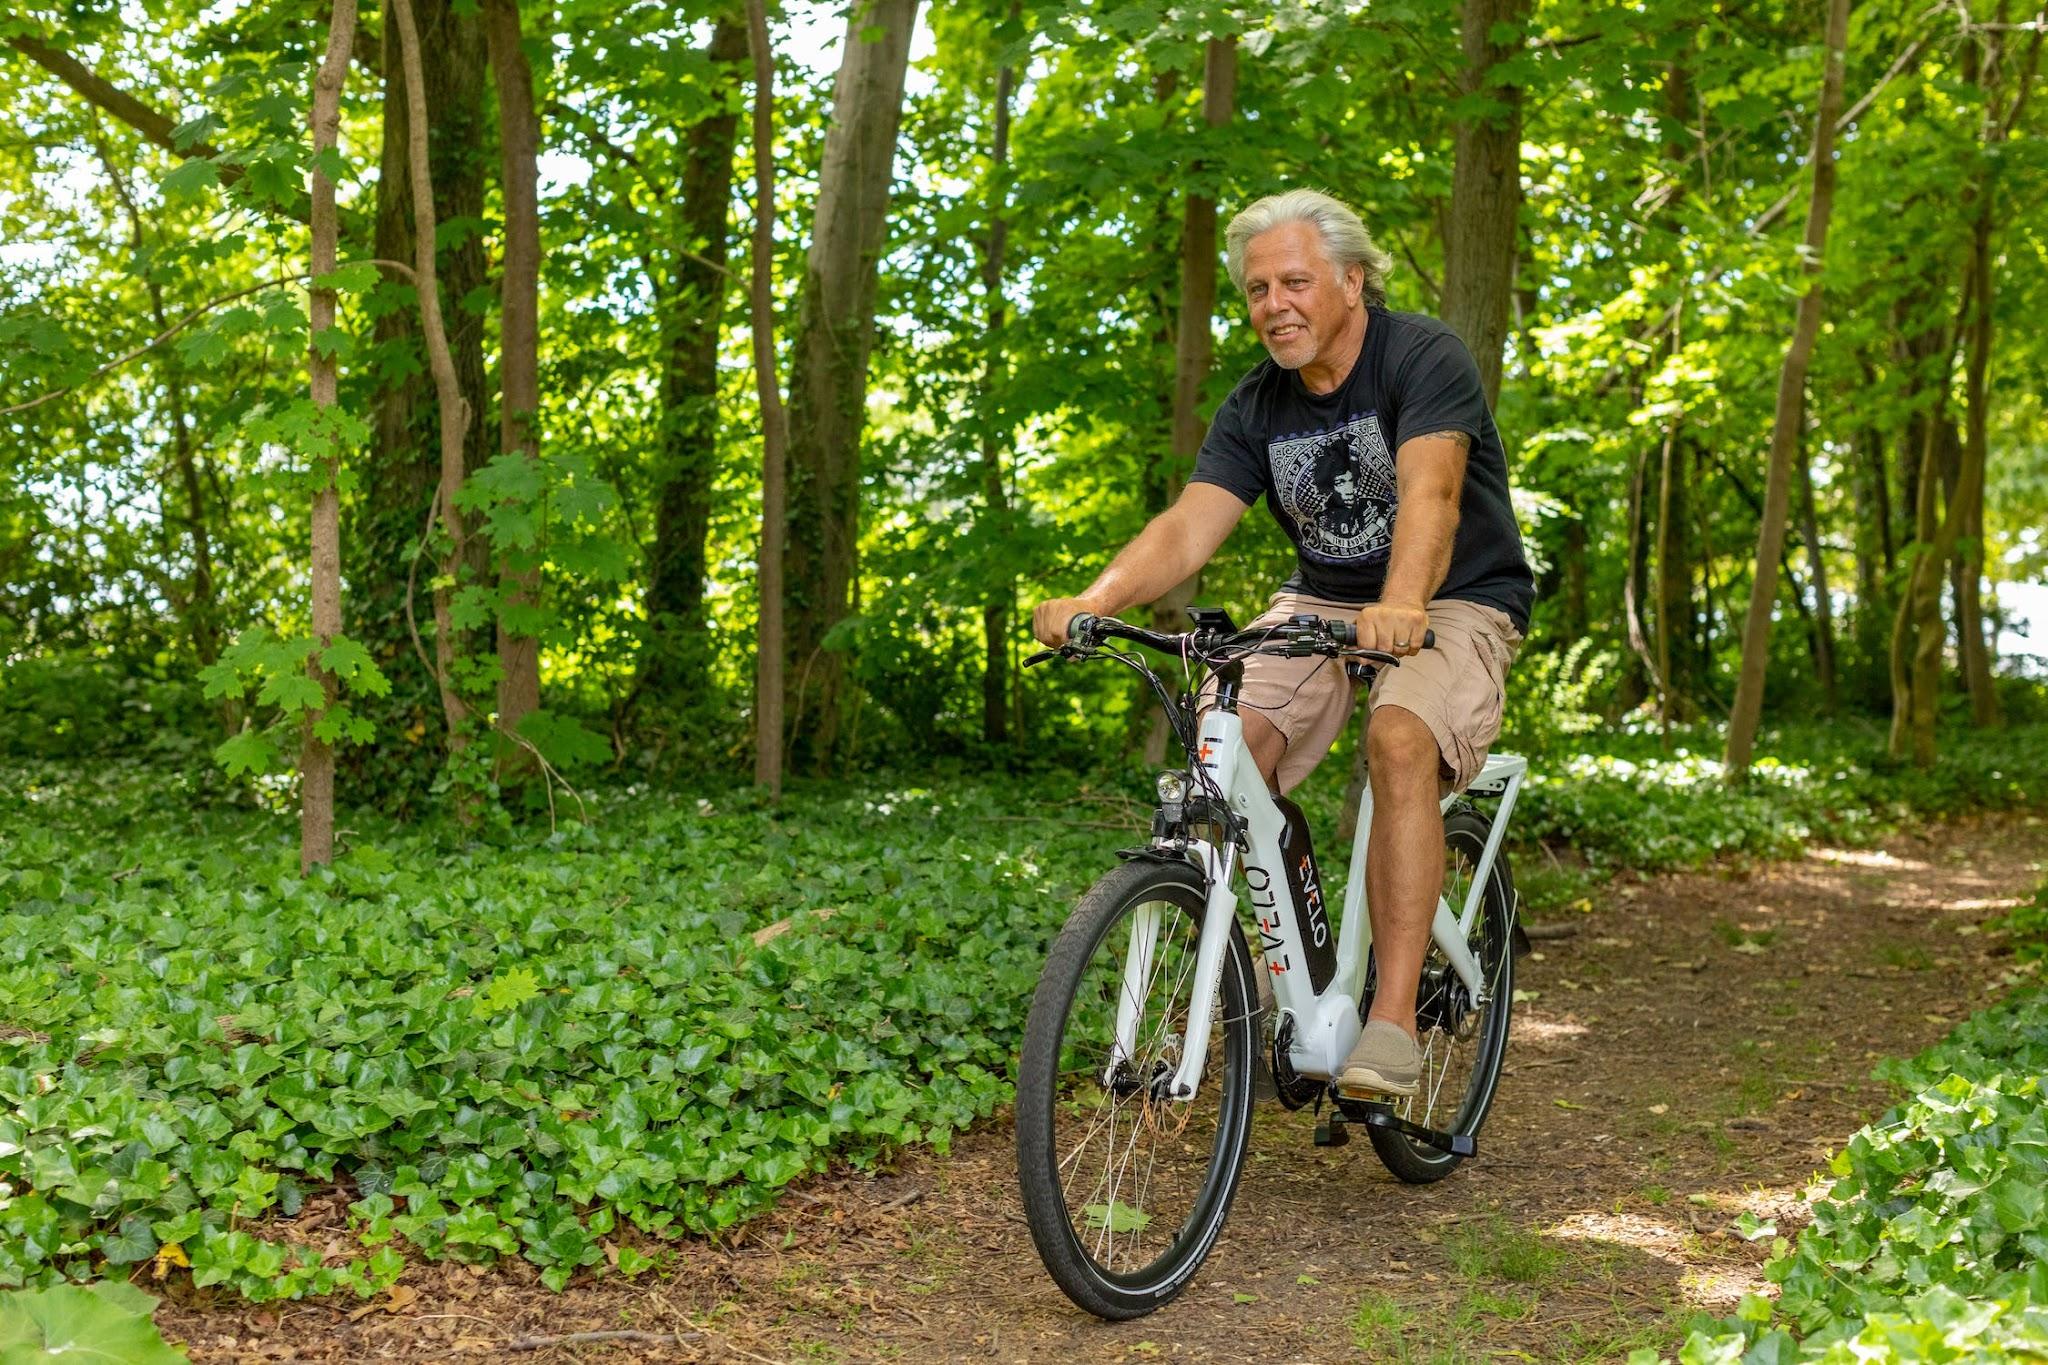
x=1337, y=486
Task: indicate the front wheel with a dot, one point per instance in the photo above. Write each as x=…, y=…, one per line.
x=1126, y=1190
x=1463, y=1041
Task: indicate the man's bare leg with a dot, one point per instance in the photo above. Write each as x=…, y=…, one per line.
x=1404, y=867
x=1267, y=744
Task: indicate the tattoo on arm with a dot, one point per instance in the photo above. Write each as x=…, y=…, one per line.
x=1464, y=442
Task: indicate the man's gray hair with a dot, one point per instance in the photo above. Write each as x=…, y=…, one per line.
x=1345, y=240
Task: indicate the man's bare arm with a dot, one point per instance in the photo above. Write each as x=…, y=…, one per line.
x=1430, y=472
x=1172, y=546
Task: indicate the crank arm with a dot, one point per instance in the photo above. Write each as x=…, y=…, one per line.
x=1374, y=1115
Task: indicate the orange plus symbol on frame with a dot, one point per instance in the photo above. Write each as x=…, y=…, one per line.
x=1203, y=754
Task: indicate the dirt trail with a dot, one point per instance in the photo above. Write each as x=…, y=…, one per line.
x=1694, y=1048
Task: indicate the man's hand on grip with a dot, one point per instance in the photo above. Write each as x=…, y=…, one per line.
x=1392, y=629
x=1050, y=620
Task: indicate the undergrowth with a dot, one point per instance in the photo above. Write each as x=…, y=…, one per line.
x=568, y=1047
x=1932, y=1242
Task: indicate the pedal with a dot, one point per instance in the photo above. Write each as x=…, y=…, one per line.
x=1332, y=1131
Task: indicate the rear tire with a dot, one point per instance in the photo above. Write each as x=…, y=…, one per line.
x=1125, y=1193
x=1459, y=1073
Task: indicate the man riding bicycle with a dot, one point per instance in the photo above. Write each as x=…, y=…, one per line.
x=1368, y=433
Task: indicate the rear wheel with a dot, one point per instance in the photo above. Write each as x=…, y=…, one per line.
x=1125, y=1189
x=1463, y=1041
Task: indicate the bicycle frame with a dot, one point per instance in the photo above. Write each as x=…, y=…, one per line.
x=1295, y=936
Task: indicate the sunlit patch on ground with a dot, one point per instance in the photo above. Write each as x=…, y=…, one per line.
x=1986, y=903
x=1651, y=1236
x=1534, y=1028
x=1719, y=1289
x=1864, y=857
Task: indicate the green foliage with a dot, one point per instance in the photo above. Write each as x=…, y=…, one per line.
x=287, y=692
x=514, y=1045
x=2027, y=927
x=1632, y=805
x=102, y=1324
x=1932, y=1242
x=505, y=1050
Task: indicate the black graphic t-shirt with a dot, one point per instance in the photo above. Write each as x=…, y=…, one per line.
x=1325, y=463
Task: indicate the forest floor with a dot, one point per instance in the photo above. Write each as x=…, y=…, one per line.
x=1695, y=1046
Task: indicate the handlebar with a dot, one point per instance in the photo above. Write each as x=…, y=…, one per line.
x=1330, y=636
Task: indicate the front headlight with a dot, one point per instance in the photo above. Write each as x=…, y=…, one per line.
x=1173, y=788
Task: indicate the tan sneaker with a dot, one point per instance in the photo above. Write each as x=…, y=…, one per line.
x=1385, y=1061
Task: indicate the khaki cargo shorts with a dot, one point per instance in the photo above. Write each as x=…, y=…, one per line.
x=1457, y=688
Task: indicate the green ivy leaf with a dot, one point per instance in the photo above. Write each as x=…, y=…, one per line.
x=506, y=991
x=87, y=1326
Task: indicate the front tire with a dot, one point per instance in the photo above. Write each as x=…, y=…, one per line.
x=1125, y=1191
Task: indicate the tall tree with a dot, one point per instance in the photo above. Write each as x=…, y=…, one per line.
x=1486, y=187
x=404, y=464
x=1791, y=412
x=769, y=654
x=690, y=299
x=995, y=433
x=316, y=755
x=452, y=407
x=1823, y=604
x=829, y=368
x=1194, y=332
x=1918, y=637
x=2002, y=116
x=519, y=345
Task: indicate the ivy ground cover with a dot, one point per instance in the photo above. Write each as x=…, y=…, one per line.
x=504, y=1050
x=1931, y=1244
x=528, y=1043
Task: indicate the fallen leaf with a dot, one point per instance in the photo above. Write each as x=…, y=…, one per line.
x=1660, y=1108
x=168, y=1255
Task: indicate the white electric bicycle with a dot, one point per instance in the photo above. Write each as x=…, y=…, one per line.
x=1134, y=1087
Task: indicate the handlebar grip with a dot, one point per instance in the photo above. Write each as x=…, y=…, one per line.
x=1346, y=632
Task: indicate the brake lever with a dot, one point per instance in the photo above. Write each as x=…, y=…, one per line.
x=1069, y=650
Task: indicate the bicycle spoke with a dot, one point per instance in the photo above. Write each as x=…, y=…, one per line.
x=1132, y=1167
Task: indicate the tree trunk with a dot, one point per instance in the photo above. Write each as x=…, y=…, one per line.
x=829, y=369
x=1486, y=191
x=1674, y=579
x=403, y=464
x=1968, y=508
x=768, y=682
x=1635, y=581
x=519, y=359
x=453, y=408
x=1703, y=657
x=1917, y=635
x=316, y=756
x=1823, y=604
x=1791, y=412
x=995, y=438
x=1194, y=339
x=692, y=305
x=1573, y=564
